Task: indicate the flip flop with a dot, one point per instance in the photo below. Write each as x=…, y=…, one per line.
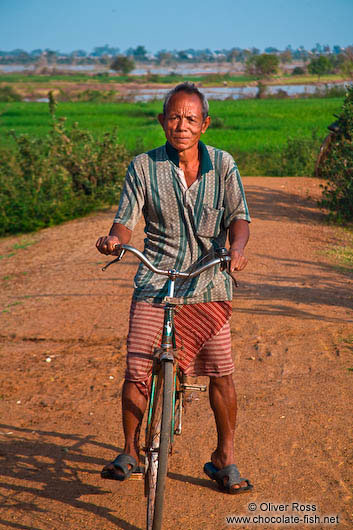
x=231, y=473
x=121, y=463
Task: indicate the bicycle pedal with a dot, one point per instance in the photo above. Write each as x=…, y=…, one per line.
x=199, y=388
x=137, y=476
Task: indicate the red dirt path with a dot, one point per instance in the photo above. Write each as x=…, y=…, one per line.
x=293, y=342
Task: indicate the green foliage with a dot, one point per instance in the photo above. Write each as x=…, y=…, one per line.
x=337, y=167
x=333, y=91
x=217, y=123
x=346, y=65
x=296, y=158
x=262, y=66
x=66, y=174
x=96, y=96
x=122, y=64
x=299, y=156
x=7, y=94
x=298, y=70
x=320, y=66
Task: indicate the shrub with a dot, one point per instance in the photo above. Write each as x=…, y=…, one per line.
x=298, y=70
x=337, y=167
x=122, y=64
x=320, y=66
x=65, y=175
x=299, y=156
x=333, y=91
x=217, y=123
x=96, y=96
x=7, y=94
x=296, y=158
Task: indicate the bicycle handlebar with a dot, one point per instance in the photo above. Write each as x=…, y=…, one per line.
x=222, y=258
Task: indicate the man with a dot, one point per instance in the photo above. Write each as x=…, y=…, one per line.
x=191, y=197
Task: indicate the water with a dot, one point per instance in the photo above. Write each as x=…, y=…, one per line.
x=222, y=93
x=178, y=68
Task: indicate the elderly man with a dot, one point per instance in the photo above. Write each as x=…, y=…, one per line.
x=191, y=197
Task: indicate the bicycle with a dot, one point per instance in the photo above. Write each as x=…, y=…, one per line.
x=166, y=401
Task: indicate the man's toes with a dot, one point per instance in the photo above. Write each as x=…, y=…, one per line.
x=242, y=484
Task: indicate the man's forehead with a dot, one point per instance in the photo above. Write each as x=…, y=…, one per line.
x=182, y=99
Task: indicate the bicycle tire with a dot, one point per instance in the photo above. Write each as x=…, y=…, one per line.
x=152, y=447
x=159, y=433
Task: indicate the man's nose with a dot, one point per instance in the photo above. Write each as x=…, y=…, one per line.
x=182, y=123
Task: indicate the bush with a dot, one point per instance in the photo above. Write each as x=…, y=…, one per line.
x=299, y=156
x=7, y=94
x=337, y=167
x=333, y=91
x=320, y=66
x=122, y=64
x=96, y=96
x=65, y=175
x=217, y=123
x=298, y=70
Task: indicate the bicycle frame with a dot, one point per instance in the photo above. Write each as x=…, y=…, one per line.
x=166, y=352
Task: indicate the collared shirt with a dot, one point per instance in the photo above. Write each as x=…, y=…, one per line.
x=183, y=224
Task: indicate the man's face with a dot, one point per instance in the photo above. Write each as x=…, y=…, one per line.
x=183, y=123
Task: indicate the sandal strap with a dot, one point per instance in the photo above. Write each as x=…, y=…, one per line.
x=123, y=461
x=231, y=473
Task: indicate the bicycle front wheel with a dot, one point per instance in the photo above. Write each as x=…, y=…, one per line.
x=158, y=444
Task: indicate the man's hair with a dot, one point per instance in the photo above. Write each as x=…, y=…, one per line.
x=188, y=88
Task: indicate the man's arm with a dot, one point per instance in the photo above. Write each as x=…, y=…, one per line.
x=238, y=236
x=118, y=234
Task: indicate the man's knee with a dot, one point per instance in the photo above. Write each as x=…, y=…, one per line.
x=143, y=387
x=222, y=381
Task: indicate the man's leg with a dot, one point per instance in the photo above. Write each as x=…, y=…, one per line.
x=134, y=402
x=223, y=402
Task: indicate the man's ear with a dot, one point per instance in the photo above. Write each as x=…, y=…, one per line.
x=161, y=119
x=206, y=124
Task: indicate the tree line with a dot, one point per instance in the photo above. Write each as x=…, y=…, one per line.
x=104, y=54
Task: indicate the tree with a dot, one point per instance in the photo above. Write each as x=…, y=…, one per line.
x=337, y=167
x=123, y=64
x=51, y=56
x=165, y=57
x=320, y=66
x=346, y=65
x=286, y=56
x=262, y=66
x=100, y=51
x=139, y=53
x=271, y=49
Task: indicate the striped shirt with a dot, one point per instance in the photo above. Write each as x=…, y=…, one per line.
x=183, y=225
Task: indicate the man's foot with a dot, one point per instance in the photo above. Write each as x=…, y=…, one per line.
x=121, y=468
x=231, y=480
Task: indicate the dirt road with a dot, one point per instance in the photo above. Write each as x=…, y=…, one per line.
x=63, y=328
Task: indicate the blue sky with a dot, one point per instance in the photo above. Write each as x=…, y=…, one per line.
x=83, y=24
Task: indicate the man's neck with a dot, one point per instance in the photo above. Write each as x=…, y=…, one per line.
x=189, y=157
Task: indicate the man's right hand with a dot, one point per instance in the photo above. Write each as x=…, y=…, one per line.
x=106, y=244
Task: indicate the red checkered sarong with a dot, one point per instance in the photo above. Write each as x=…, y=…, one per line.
x=202, y=339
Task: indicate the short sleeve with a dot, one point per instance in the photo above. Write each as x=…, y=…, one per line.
x=235, y=205
x=132, y=199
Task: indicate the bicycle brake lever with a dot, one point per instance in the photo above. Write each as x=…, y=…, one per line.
x=118, y=258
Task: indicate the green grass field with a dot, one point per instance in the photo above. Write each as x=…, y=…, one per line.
x=243, y=126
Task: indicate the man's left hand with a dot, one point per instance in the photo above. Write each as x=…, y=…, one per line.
x=238, y=260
